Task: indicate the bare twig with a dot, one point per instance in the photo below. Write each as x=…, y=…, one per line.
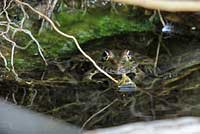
x=5, y=61
x=157, y=54
x=11, y=27
x=161, y=18
x=95, y=114
x=32, y=96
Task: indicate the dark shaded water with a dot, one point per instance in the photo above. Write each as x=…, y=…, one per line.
x=66, y=95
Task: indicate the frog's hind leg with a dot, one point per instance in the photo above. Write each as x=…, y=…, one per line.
x=88, y=76
x=139, y=75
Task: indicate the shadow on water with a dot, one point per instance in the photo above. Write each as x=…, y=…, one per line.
x=65, y=92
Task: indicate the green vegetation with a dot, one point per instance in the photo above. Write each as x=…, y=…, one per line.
x=85, y=27
x=88, y=27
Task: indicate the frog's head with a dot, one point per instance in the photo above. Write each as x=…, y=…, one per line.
x=118, y=62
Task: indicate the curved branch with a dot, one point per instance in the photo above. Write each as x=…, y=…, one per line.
x=68, y=36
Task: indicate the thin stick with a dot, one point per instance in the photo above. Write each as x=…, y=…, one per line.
x=157, y=54
x=95, y=114
x=161, y=18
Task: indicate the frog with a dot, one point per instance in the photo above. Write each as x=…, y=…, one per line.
x=134, y=70
x=119, y=62
x=132, y=67
x=127, y=66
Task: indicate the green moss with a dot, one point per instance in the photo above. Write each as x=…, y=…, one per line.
x=94, y=24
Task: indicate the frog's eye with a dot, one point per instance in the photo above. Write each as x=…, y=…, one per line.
x=129, y=54
x=106, y=55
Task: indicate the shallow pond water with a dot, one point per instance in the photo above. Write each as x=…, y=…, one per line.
x=64, y=92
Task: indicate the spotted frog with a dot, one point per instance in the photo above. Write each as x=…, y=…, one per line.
x=126, y=63
x=128, y=67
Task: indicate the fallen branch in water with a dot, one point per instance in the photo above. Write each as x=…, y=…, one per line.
x=166, y=5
